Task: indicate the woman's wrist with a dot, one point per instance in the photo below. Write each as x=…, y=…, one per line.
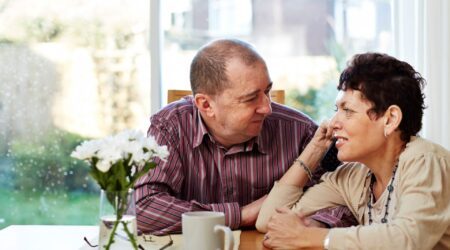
x=311, y=156
x=316, y=237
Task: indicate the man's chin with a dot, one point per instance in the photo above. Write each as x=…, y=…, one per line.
x=255, y=131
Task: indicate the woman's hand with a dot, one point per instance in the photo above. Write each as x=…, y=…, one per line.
x=323, y=137
x=290, y=230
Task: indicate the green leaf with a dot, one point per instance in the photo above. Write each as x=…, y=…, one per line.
x=142, y=172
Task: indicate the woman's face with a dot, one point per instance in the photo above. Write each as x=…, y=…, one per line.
x=359, y=137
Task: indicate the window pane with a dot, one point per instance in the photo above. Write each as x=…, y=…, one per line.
x=304, y=42
x=71, y=70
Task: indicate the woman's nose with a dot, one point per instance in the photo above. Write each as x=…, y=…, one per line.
x=334, y=121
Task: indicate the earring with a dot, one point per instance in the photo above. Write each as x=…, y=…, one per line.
x=385, y=134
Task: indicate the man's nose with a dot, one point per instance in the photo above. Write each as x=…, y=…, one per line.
x=265, y=106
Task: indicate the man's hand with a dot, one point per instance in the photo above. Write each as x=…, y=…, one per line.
x=249, y=212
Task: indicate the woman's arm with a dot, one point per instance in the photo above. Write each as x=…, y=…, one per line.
x=310, y=158
x=288, y=190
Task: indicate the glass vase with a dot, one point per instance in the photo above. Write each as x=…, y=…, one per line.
x=118, y=229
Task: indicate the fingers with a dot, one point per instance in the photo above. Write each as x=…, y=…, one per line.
x=282, y=210
x=326, y=129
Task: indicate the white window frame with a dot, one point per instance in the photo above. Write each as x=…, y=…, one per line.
x=421, y=37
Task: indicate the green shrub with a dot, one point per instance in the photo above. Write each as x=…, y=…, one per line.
x=317, y=103
x=44, y=164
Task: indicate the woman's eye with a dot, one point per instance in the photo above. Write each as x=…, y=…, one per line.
x=348, y=112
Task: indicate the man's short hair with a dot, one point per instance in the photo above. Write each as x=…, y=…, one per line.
x=209, y=67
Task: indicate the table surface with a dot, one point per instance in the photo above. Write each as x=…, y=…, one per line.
x=251, y=239
x=39, y=237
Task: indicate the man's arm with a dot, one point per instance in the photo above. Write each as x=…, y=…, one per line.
x=334, y=217
x=159, y=213
x=159, y=205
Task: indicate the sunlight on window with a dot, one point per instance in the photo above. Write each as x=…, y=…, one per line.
x=305, y=43
x=70, y=70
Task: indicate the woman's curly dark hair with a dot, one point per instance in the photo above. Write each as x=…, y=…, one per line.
x=386, y=81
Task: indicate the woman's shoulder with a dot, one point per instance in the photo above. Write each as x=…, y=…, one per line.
x=419, y=147
x=425, y=157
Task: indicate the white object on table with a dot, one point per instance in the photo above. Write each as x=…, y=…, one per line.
x=57, y=237
x=39, y=237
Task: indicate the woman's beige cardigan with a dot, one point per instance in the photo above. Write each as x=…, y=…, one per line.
x=422, y=216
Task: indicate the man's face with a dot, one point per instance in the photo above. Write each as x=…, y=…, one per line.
x=239, y=111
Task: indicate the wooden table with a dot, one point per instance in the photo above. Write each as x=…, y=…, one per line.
x=56, y=237
x=251, y=239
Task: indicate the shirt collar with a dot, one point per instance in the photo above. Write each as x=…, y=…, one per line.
x=201, y=128
x=247, y=146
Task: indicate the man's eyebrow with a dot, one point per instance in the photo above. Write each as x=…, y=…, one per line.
x=251, y=94
x=255, y=92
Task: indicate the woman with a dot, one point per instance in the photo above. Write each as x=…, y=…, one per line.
x=397, y=185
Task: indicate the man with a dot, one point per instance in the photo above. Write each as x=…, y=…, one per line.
x=228, y=143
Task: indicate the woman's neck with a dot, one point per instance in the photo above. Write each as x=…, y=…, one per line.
x=383, y=165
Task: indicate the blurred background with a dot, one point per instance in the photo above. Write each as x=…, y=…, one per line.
x=72, y=70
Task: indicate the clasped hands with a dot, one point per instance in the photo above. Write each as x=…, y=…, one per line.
x=287, y=229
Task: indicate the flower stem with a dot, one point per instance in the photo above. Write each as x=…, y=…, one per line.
x=111, y=236
x=130, y=235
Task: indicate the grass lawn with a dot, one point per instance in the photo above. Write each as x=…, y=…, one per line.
x=47, y=209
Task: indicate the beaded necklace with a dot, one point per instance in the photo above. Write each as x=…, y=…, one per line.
x=390, y=189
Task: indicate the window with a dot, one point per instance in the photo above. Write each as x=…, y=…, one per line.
x=304, y=42
x=77, y=69
x=70, y=70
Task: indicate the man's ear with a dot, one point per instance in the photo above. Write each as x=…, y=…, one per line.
x=392, y=118
x=204, y=104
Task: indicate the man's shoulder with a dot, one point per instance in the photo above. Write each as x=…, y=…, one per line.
x=282, y=113
x=176, y=111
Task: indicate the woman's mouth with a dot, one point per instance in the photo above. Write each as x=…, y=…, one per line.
x=340, y=141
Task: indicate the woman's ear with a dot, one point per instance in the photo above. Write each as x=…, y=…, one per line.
x=204, y=104
x=392, y=118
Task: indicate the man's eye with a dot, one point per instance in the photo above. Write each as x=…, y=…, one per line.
x=251, y=99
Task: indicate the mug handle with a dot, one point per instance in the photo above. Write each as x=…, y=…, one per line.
x=229, y=237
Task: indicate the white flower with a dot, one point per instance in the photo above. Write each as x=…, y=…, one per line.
x=87, y=149
x=162, y=152
x=103, y=166
x=130, y=146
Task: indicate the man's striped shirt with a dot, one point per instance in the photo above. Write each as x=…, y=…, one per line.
x=199, y=174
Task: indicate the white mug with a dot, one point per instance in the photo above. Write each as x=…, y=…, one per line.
x=205, y=230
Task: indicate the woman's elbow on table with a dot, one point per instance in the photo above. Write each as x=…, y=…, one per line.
x=261, y=224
